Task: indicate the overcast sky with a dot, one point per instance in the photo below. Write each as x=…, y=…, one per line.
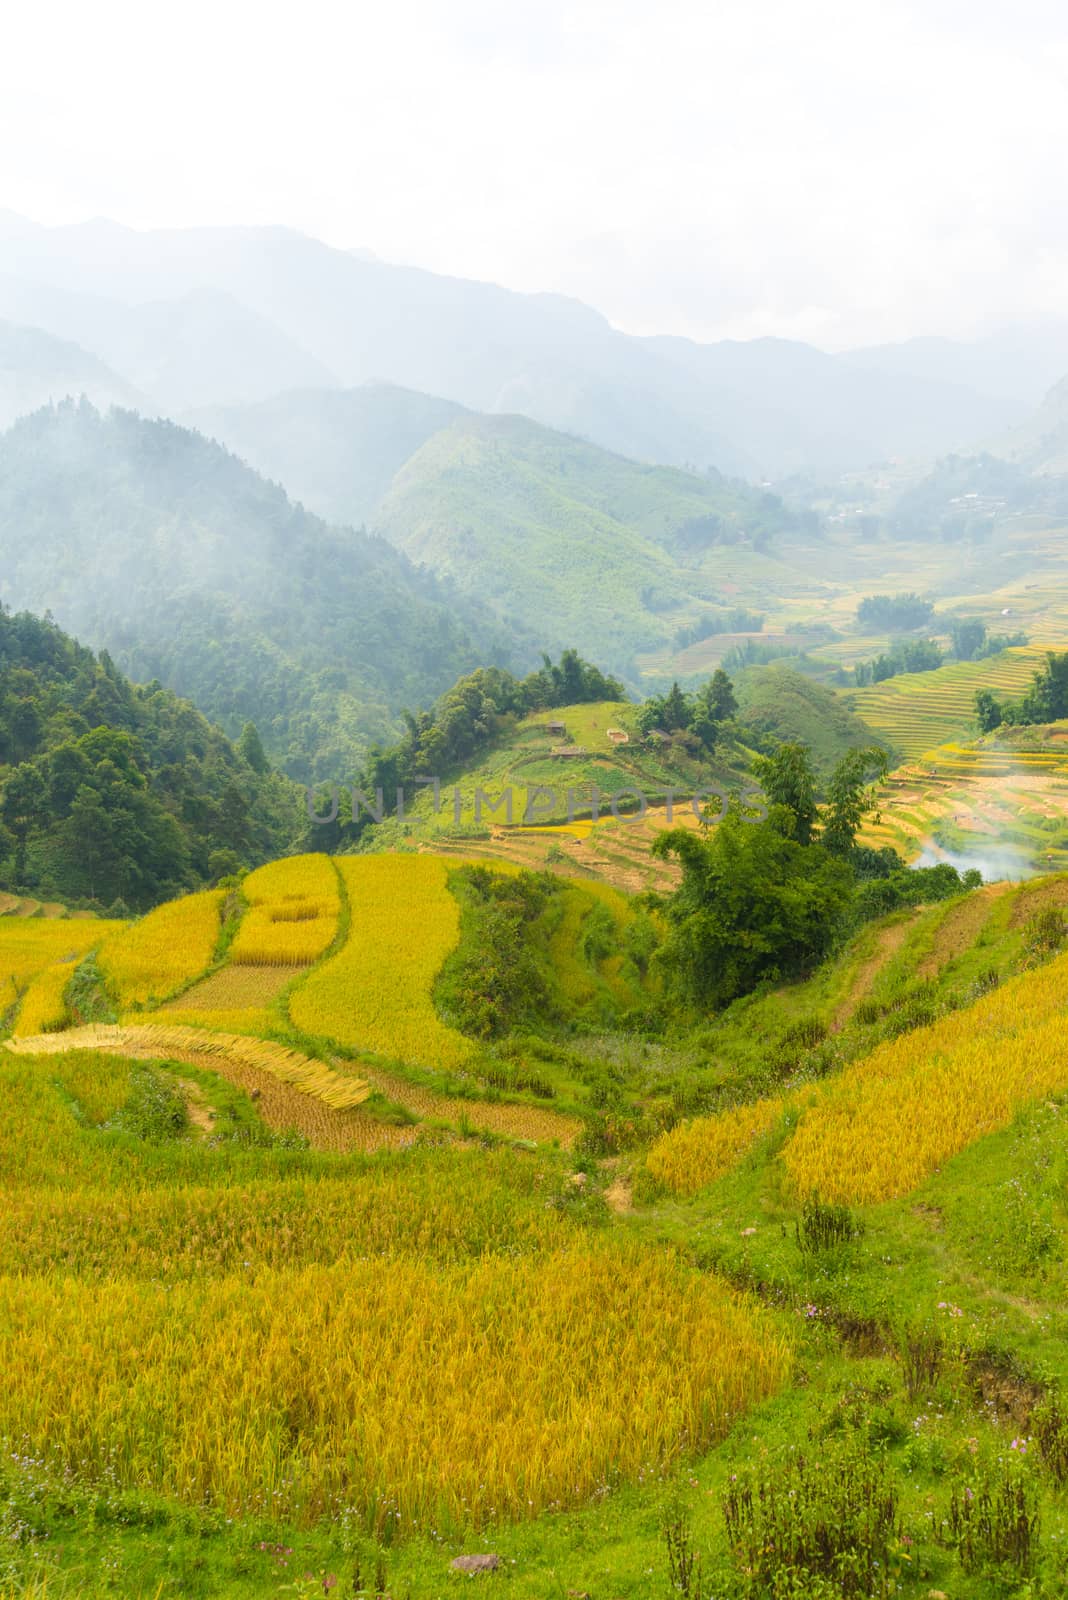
x=844, y=171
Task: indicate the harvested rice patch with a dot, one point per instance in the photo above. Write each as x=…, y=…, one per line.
x=234, y=988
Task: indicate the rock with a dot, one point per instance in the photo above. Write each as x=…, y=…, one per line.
x=747, y=1233
x=481, y=1563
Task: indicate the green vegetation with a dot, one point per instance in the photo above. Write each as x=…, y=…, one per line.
x=763, y=899
x=893, y=612
x=1045, y=701
x=780, y=705
x=110, y=792
x=538, y=524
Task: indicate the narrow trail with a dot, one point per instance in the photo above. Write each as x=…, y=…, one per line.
x=960, y=927
x=887, y=945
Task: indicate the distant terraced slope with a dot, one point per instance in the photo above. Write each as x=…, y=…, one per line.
x=916, y=711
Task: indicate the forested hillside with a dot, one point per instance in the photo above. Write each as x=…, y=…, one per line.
x=148, y=540
x=111, y=791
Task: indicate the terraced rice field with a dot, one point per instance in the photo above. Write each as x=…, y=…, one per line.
x=43, y=1007
x=988, y=800
x=489, y=1116
x=235, y=999
x=28, y=946
x=916, y=711
x=611, y=852
x=151, y=958
x=292, y=920
x=375, y=994
x=877, y=1129
x=158, y=1041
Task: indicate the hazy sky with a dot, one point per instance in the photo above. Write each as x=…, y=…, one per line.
x=838, y=170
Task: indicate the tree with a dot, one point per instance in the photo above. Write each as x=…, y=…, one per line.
x=848, y=798
x=789, y=782
x=969, y=638
x=672, y=712
x=893, y=611
x=250, y=746
x=988, y=712
x=22, y=809
x=677, y=712
x=753, y=904
x=714, y=704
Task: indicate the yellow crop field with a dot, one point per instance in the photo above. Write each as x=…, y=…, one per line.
x=297, y=879
x=150, y=959
x=697, y=1152
x=442, y=1396
x=294, y=907
x=887, y=1122
x=375, y=994
x=27, y=947
x=285, y=1334
x=42, y=1007
x=271, y=936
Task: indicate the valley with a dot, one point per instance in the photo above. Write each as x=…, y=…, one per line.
x=533, y=885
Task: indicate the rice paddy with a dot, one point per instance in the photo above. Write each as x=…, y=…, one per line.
x=375, y=994
x=916, y=711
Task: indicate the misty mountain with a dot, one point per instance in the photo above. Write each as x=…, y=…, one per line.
x=202, y=347
x=336, y=450
x=1040, y=445
x=545, y=528
x=152, y=542
x=761, y=407
x=1015, y=365
x=36, y=368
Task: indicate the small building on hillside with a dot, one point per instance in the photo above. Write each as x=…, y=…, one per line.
x=618, y=736
x=557, y=729
x=567, y=752
x=657, y=736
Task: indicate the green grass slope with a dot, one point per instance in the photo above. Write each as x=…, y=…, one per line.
x=597, y=547
x=786, y=705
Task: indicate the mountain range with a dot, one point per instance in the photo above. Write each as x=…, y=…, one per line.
x=223, y=316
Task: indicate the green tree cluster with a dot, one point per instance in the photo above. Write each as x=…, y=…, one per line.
x=1045, y=701
x=893, y=613
x=768, y=899
x=111, y=791
x=702, y=713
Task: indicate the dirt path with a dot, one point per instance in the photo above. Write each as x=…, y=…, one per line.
x=960, y=928
x=201, y=1114
x=887, y=945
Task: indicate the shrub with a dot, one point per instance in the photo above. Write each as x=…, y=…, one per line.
x=994, y=1522
x=814, y=1526
x=825, y=1227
